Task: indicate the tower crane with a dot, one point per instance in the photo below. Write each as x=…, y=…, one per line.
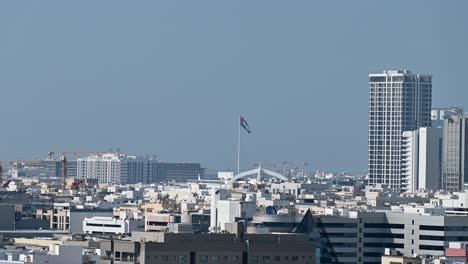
x=63, y=158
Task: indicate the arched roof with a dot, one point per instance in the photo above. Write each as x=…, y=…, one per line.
x=259, y=172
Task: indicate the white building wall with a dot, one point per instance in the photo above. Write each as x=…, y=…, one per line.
x=227, y=212
x=430, y=158
x=409, y=171
x=109, y=167
x=421, y=159
x=106, y=225
x=216, y=197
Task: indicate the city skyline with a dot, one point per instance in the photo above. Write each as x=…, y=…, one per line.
x=237, y=132
x=174, y=85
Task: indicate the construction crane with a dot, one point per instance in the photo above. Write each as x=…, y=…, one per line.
x=63, y=158
x=5, y=184
x=76, y=184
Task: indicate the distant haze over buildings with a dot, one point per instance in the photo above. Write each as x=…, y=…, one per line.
x=170, y=79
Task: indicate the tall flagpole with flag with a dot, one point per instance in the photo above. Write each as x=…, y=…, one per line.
x=242, y=123
x=238, y=147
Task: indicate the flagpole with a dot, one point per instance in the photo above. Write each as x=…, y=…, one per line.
x=238, y=145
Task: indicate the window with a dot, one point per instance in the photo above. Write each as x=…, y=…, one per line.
x=384, y=235
x=380, y=225
x=384, y=245
x=456, y=228
x=429, y=247
x=339, y=234
x=434, y=228
x=337, y=244
x=338, y=225
x=426, y=237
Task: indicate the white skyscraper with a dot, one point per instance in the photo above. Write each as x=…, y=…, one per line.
x=398, y=101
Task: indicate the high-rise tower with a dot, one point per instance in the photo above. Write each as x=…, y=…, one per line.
x=398, y=101
x=454, y=154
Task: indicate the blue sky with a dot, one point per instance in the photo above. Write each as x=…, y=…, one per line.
x=171, y=77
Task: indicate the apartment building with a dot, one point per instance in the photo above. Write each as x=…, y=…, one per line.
x=124, y=169
x=398, y=101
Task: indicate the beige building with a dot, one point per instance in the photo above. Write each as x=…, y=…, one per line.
x=125, y=209
x=158, y=222
x=152, y=207
x=400, y=260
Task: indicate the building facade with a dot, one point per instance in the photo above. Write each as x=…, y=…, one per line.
x=363, y=237
x=179, y=171
x=398, y=101
x=110, y=225
x=455, y=160
x=410, y=160
x=438, y=115
x=155, y=248
x=107, y=167
x=421, y=159
x=123, y=169
x=430, y=159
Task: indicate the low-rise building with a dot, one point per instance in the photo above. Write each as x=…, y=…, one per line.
x=155, y=222
x=110, y=225
x=156, y=248
x=400, y=260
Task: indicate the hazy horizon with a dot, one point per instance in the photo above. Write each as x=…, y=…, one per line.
x=171, y=78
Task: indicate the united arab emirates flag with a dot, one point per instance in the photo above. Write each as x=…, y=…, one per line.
x=245, y=125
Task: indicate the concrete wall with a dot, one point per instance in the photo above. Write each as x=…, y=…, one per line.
x=213, y=248
x=64, y=254
x=77, y=217
x=32, y=223
x=430, y=158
